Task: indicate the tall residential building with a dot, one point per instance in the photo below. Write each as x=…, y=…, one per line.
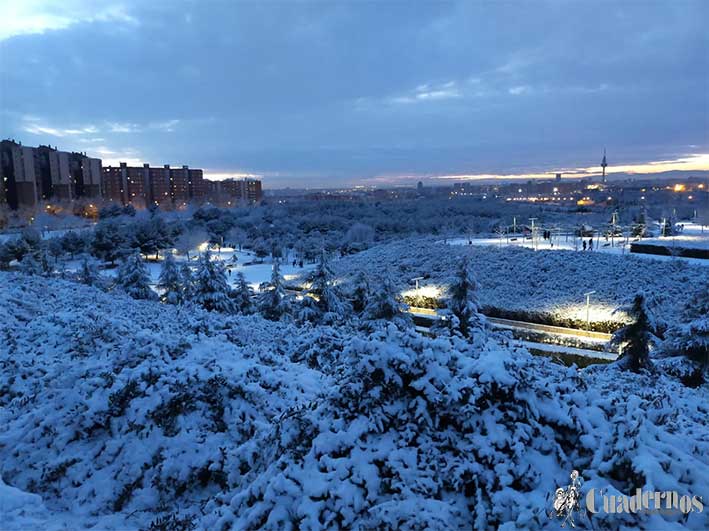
x=84, y=176
x=159, y=186
x=198, y=186
x=146, y=185
x=44, y=173
x=232, y=190
x=19, y=185
x=113, y=185
x=180, y=184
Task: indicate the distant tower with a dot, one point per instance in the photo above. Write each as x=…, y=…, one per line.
x=603, y=165
x=558, y=177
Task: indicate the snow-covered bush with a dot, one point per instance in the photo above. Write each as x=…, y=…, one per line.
x=170, y=416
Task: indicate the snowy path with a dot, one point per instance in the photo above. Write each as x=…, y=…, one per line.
x=424, y=317
x=562, y=349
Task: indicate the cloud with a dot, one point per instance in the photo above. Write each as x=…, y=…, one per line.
x=693, y=162
x=430, y=92
x=123, y=127
x=167, y=126
x=36, y=126
x=39, y=16
x=334, y=92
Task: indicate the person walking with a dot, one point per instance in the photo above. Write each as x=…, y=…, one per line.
x=584, y=245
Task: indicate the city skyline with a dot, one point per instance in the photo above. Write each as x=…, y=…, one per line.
x=341, y=94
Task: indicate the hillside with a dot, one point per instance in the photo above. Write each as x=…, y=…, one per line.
x=545, y=282
x=121, y=414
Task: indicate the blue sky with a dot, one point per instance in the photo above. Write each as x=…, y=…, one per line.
x=338, y=93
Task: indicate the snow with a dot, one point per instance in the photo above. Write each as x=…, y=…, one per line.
x=693, y=236
x=550, y=283
x=117, y=413
x=256, y=272
x=618, y=246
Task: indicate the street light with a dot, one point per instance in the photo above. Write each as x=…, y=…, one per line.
x=417, y=281
x=588, y=307
x=534, y=243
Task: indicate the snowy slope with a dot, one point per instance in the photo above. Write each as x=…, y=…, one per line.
x=119, y=413
x=552, y=282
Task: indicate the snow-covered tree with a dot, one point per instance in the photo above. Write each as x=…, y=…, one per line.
x=30, y=265
x=44, y=262
x=242, y=295
x=89, y=274
x=639, y=228
x=636, y=338
x=170, y=282
x=133, y=278
x=273, y=302
x=151, y=236
x=307, y=310
x=211, y=289
x=360, y=293
x=690, y=338
x=55, y=248
x=187, y=281
x=190, y=240
x=385, y=304
x=358, y=237
x=73, y=243
x=109, y=242
x=32, y=237
x=330, y=305
x=462, y=304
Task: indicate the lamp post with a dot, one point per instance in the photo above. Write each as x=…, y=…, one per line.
x=417, y=282
x=588, y=308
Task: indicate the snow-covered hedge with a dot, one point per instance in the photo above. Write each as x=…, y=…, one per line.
x=184, y=419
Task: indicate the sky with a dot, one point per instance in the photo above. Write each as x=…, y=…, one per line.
x=330, y=93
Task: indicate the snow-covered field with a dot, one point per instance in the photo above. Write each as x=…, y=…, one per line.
x=117, y=413
x=255, y=270
x=692, y=237
x=549, y=282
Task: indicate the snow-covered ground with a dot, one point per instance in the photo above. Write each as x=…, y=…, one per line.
x=691, y=237
x=254, y=269
x=548, y=282
x=117, y=413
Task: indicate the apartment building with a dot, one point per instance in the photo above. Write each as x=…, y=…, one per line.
x=44, y=173
x=242, y=190
x=30, y=175
x=147, y=185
